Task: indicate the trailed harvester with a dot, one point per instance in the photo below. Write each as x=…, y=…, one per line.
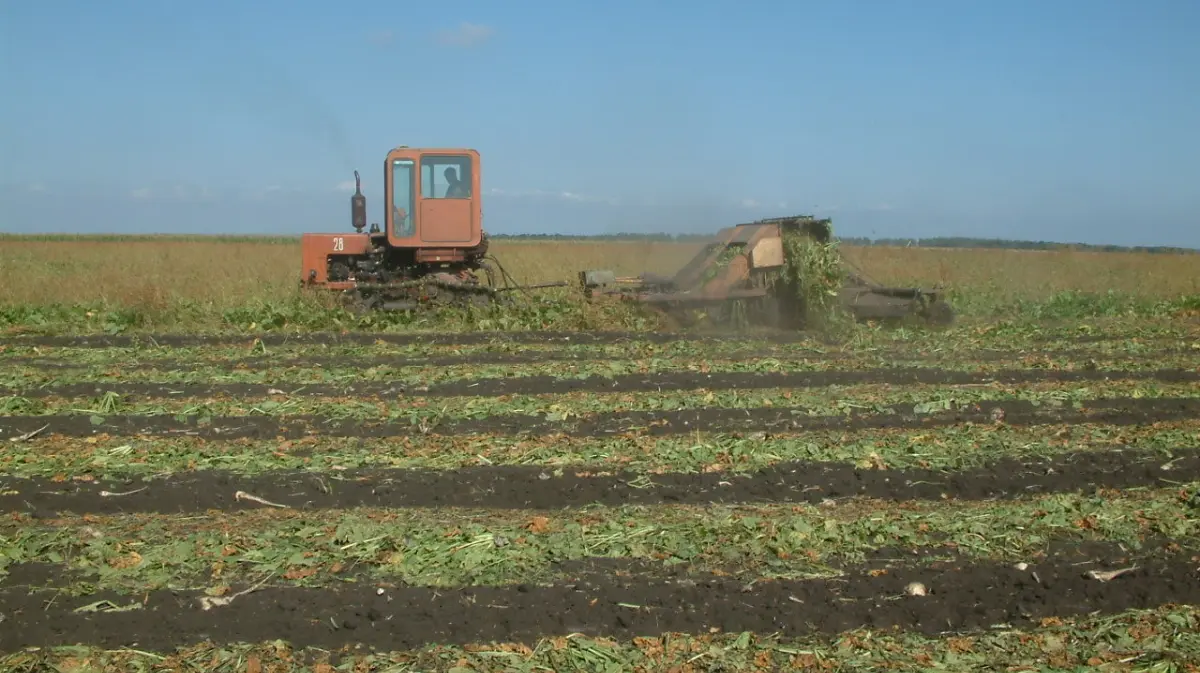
x=757, y=273
x=430, y=247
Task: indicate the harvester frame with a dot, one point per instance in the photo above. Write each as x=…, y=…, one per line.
x=739, y=277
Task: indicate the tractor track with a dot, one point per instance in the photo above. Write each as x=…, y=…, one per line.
x=1112, y=411
x=536, y=487
x=964, y=597
x=396, y=362
x=458, y=338
x=623, y=383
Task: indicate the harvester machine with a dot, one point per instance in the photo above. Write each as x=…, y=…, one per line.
x=431, y=245
x=771, y=272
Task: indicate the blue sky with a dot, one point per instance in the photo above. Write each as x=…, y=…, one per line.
x=1067, y=120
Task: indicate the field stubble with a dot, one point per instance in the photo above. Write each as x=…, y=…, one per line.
x=608, y=503
x=138, y=284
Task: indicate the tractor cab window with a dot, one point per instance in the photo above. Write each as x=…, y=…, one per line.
x=446, y=177
x=402, y=198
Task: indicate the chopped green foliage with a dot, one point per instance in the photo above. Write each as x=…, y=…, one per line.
x=1125, y=327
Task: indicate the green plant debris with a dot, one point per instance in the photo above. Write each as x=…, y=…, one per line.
x=948, y=447
x=1143, y=641
x=814, y=273
x=450, y=547
x=1036, y=313
x=805, y=402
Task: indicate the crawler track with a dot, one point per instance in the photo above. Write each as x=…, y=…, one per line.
x=518, y=487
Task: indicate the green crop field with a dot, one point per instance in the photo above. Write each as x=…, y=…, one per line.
x=203, y=469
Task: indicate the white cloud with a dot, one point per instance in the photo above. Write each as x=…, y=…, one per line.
x=466, y=35
x=177, y=192
x=37, y=188
x=347, y=186
x=270, y=191
x=561, y=195
x=749, y=203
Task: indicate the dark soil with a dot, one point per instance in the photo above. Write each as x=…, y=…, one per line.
x=351, y=362
x=664, y=382
x=507, y=487
x=962, y=598
x=39, y=575
x=1118, y=411
x=442, y=338
x=368, y=338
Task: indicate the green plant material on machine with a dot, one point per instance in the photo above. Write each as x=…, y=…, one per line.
x=728, y=254
x=814, y=273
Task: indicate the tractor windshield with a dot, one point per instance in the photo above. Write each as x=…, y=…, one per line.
x=446, y=177
x=402, y=198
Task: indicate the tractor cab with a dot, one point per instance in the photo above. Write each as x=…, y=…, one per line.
x=433, y=224
x=432, y=199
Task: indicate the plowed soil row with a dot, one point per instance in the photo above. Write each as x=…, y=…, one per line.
x=962, y=598
x=1119, y=411
x=367, y=338
x=626, y=383
x=522, y=487
x=437, y=338
x=351, y=362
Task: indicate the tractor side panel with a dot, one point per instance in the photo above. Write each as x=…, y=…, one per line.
x=316, y=249
x=449, y=222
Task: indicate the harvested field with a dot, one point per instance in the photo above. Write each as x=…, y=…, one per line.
x=521, y=487
x=971, y=598
x=411, y=497
x=1116, y=412
x=546, y=384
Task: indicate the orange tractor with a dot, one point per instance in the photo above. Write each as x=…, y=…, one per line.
x=431, y=244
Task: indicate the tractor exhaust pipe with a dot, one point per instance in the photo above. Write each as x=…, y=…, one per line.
x=358, y=206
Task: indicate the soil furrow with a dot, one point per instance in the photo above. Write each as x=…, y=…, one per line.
x=625, y=383
x=453, y=338
x=961, y=598
x=408, y=338
x=1119, y=411
x=397, y=361
x=533, y=487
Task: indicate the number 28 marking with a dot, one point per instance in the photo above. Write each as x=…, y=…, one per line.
x=339, y=244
